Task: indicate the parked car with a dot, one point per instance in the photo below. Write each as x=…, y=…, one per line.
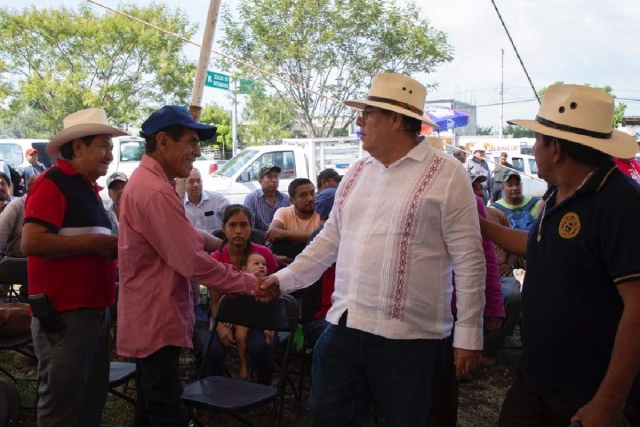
x=206, y=164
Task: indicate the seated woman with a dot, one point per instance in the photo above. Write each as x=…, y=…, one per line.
x=235, y=250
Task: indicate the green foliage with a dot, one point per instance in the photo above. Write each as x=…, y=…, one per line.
x=266, y=118
x=331, y=46
x=218, y=116
x=618, y=113
x=518, y=132
x=58, y=61
x=481, y=130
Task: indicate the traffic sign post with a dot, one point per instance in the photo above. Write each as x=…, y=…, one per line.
x=217, y=80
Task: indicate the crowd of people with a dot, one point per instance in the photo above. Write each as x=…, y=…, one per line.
x=404, y=266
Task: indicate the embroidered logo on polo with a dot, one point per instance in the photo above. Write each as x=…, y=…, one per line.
x=569, y=226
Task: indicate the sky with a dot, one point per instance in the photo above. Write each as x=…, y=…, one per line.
x=575, y=41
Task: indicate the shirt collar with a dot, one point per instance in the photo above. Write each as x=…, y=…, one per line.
x=599, y=178
x=203, y=198
x=154, y=167
x=68, y=169
x=418, y=153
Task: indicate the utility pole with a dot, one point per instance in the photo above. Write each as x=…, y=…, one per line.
x=201, y=74
x=234, y=118
x=502, y=96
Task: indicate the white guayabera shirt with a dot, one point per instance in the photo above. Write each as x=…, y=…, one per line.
x=397, y=234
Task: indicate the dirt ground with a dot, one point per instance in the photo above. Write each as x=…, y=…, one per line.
x=480, y=398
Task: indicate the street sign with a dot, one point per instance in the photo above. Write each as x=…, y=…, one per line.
x=247, y=87
x=217, y=80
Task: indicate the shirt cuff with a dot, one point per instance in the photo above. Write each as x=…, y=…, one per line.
x=467, y=338
x=286, y=278
x=251, y=284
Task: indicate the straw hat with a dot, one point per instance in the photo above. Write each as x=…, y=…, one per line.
x=398, y=93
x=583, y=115
x=92, y=121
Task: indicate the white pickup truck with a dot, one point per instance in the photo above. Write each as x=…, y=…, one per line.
x=298, y=158
x=526, y=165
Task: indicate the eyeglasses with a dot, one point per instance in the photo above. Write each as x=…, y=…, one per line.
x=364, y=114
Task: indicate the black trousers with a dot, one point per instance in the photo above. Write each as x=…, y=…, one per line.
x=526, y=406
x=158, y=389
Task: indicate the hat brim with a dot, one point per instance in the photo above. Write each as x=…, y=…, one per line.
x=480, y=178
x=205, y=132
x=80, y=131
x=116, y=180
x=359, y=104
x=620, y=145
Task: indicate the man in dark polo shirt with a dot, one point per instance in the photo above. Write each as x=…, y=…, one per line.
x=67, y=238
x=581, y=294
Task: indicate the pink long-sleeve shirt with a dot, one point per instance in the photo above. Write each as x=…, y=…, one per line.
x=158, y=252
x=494, y=304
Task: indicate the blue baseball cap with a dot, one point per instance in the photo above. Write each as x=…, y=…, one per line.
x=172, y=115
x=509, y=174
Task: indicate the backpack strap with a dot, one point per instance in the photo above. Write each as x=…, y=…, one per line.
x=530, y=204
x=504, y=209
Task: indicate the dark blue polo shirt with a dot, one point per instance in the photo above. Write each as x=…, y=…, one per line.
x=571, y=306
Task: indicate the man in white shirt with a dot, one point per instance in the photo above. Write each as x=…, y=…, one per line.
x=205, y=209
x=403, y=220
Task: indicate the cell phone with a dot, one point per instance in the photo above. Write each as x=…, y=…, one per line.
x=44, y=310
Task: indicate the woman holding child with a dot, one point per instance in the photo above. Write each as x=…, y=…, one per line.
x=238, y=250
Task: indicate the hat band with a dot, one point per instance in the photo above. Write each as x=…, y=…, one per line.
x=579, y=131
x=400, y=104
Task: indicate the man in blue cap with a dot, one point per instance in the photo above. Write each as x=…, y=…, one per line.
x=159, y=251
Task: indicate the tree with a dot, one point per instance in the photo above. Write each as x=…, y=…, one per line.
x=618, y=112
x=518, y=132
x=331, y=46
x=267, y=118
x=221, y=118
x=481, y=130
x=58, y=61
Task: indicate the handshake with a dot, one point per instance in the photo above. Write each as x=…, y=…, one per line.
x=268, y=288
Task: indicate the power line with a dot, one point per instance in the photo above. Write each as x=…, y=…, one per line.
x=509, y=102
x=516, y=50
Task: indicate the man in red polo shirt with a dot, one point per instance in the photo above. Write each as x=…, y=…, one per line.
x=67, y=238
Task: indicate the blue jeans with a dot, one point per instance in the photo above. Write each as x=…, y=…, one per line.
x=512, y=308
x=199, y=337
x=350, y=367
x=313, y=330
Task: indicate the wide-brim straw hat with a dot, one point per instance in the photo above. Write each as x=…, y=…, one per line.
x=92, y=121
x=583, y=115
x=398, y=93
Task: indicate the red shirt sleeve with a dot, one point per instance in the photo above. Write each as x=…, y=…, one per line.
x=45, y=204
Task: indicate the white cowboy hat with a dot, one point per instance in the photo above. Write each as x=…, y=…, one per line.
x=398, y=93
x=92, y=121
x=583, y=115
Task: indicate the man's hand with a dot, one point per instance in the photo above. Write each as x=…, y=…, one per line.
x=466, y=361
x=283, y=261
x=106, y=245
x=226, y=335
x=599, y=414
x=506, y=270
x=276, y=234
x=268, y=290
x=493, y=324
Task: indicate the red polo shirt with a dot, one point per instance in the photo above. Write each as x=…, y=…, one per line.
x=67, y=203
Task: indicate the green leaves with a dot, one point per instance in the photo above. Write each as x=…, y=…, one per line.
x=332, y=46
x=57, y=61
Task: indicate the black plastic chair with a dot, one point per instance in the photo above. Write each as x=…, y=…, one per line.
x=257, y=236
x=233, y=396
x=120, y=373
x=13, y=271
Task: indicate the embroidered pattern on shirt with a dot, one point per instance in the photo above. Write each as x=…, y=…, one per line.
x=399, y=293
x=349, y=185
x=569, y=225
